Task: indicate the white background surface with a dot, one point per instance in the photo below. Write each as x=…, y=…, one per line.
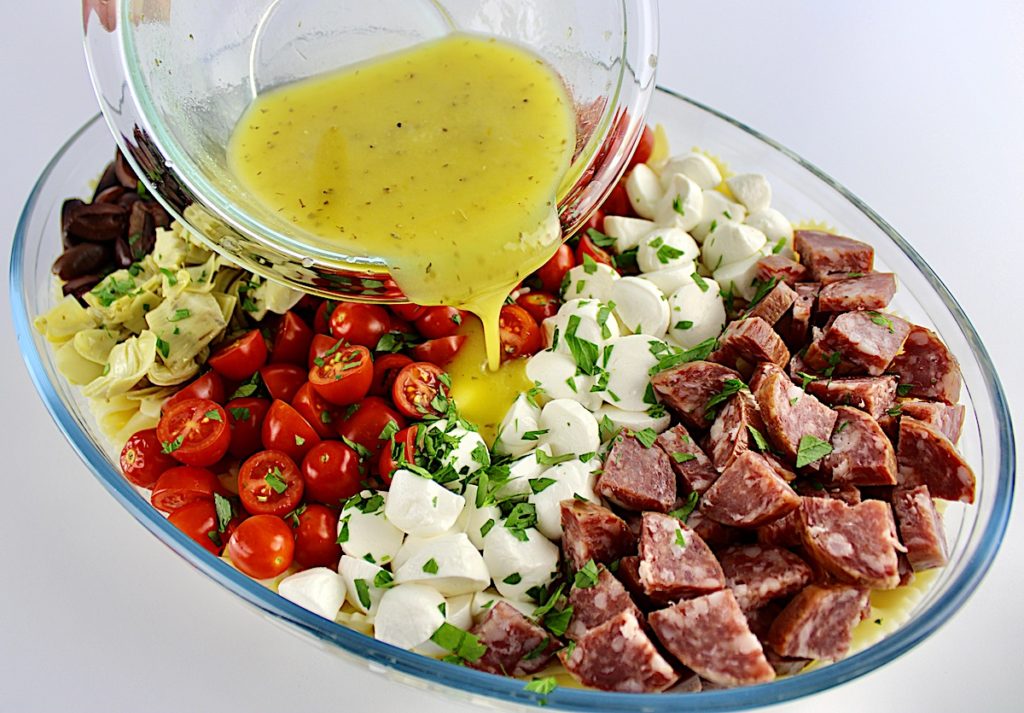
x=915, y=106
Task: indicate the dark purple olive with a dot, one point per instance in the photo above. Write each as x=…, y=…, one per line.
x=80, y=285
x=98, y=222
x=108, y=179
x=122, y=253
x=141, y=231
x=111, y=195
x=82, y=259
x=161, y=218
x=125, y=175
x=129, y=199
x=69, y=207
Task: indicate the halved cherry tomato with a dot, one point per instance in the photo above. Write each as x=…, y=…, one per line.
x=595, y=221
x=553, y=271
x=586, y=248
x=198, y=520
x=240, y=359
x=409, y=312
x=360, y=324
x=182, y=485
x=643, y=149
x=438, y=322
x=143, y=459
x=283, y=381
x=316, y=533
x=321, y=344
x=245, y=417
x=291, y=340
x=617, y=202
x=270, y=483
x=318, y=412
x=385, y=369
x=343, y=376
x=520, y=335
x=540, y=305
x=322, y=319
x=417, y=387
x=195, y=432
x=331, y=471
x=404, y=444
x=285, y=430
x=369, y=419
x=439, y=351
x=262, y=547
x=208, y=386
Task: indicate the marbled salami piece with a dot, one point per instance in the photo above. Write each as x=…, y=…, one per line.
x=861, y=452
x=855, y=544
x=873, y=394
x=782, y=268
x=637, y=477
x=710, y=635
x=784, y=532
x=714, y=533
x=674, y=561
x=818, y=623
x=872, y=291
x=796, y=327
x=593, y=606
x=857, y=343
x=757, y=574
x=687, y=388
x=773, y=305
x=618, y=656
x=515, y=645
x=924, y=456
x=927, y=367
x=813, y=489
x=628, y=572
x=694, y=470
x=831, y=256
x=593, y=532
x=753, y=340
x=790, y=413
x=948, y=420
x=749, y=493
x=730, y=434
x=920, y=527
x=781, y=468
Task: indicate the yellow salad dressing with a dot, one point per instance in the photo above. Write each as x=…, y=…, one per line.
x=444, y=160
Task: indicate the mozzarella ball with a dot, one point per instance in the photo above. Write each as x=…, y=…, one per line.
x=594, y=325
x=776, y=227
x=470, y=452
x=628, y=379
x=752, y=190
x=740, y=276
x=682, y=205
x=640, y=306
x=591, y=281
x=718, y=210
x=321, y=590
x=408, y=615
x=671, y=279
x=534, y=560
x=626, y=231
x=364, y=529
x=520, y=419
x=473, y=518
x=731, y=243
x=644, y=191
x=556, y=375
x=419, y=506
x=522, y=471
x=695, y=166
x=360, y=590
x=449, y=563
x=696, y=313
x=572, y=478
x=570, y=427
x=665, y=248
x=619, y=419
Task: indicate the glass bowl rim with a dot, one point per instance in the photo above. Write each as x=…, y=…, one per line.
x=478, y=683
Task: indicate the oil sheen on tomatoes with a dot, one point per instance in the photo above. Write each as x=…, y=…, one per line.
x=444, y=160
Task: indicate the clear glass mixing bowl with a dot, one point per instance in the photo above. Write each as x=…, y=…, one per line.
x=174, y=76
x=799, y=190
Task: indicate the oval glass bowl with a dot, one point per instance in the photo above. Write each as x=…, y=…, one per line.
x=801, y=192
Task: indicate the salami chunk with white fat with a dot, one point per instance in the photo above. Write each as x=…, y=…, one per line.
x=781, y=268
x=687, y=388
x=857, y=343
x=749, y=493
x=920, y=528
x=871, y=291
x=637, y=476
x=593, y=532
x=694, y=470
x=927, y=367
x=861, y=452
x=926, y=457
x=753, y=340
x=733, y=431
x=515, y=645
x=855, y=544
x=948, y=420
x=598, y=602
x=832, y=256
x=773, y=305
x=872, y=394
x=758, y=574
x=674, y=560
x=818, y=623
x=790, y=413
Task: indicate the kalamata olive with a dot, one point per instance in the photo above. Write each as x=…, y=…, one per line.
x=98, y=222
x=110, y=195
x=108, y=179
x=66, y=210
x=141, y=231
x=161, y=218
x=129, y=199
x=82, y=259
x=122, y=253
x=124, y=172
x=80, y=285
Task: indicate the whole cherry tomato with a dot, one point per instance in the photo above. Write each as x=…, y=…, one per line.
x=270, y=483
x=540, y=305
x=368, y=421
x=520, y=335
x=420, y=390
x=438, y=351
x=240, y=359
x=291, y=340
x=438, y=322
x=208, y=386
x=343, y=376
x=198, y=520
x=553, y=271
x=318, y=412
x=617, y=202
x=322, y=319
x=143, y=459
x=385, y=369
x=409, y=312
x=194, y=432
x=181, y=485
x=316, y=533
x=245, y=418
x=587, y=248
x=283, y=381
x=402, y=447
x=262, y=547
x=360, y=324
x=331, y=471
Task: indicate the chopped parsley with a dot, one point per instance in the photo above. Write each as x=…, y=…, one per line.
x=584, y=353
x=542, y=686
x=430, y=566
x=539, y=485
x=904, y=389
x=667, y=253
x=646, y=437
x=680, y=540
x=731, y=387
x=677, y=205
x=180, y=314
x=681, y=457
x=587, y=575
x=363, y=593
x=163, y=347
x=882, y=321
x=113, y=289
x=811, y=449
x=240, y=413
x=544, y=459
x=214, y=415
x=682, y=514
x=513, y=579
x=600, y=239
x=222, y=506
x=700, y=282
x=759, y=440
x=683, y=324
x=171, y=446
x=463, y=645
x=275, y=479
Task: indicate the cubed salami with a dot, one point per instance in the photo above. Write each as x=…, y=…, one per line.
x=733, y=429
x=927, y=367
x=687, y=388
x=948, y=420
x=790, y=413
x=920, y=527
x=871, y=291
x=873, y=394
x=749, y=493
x=694, y=470
x=710, y=635
x=515, y=645
x=637, y=477
x=813, y=489
x=782, y=268
x=714, y=533
x=856, y=544
x=861, y=452
x=773, y=305
x=818, y=623
x=784, y=532
x=924, y=456
x=753, y=340
x=593, y=532
x=797, y=326
x=596, y=604
x=830, y=256
x=618, y=656
x=857, y=343
x=674, y=560
x=757, y=574
x=628, y=572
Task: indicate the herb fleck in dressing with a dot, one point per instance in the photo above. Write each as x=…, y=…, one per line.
x=444, y=160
